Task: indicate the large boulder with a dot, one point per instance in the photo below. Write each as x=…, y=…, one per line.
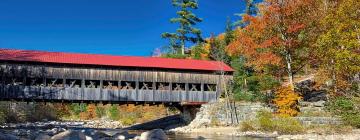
x=70, y=135
x=309, y=92
x=156, y=134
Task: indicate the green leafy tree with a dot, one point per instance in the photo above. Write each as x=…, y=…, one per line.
x=197, y=51
x=76, y=109
x=339, y=44
x=186, y=32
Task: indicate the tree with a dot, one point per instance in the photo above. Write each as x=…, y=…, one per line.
x=229, y=32
x=217, y=49
x=250, y=9
x=339, y=44
x=186, y=32
x=280, y=36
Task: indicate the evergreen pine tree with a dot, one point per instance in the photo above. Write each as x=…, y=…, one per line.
x=186, y=32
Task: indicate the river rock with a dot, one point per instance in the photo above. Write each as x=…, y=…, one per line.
x=42, y=137
x=100, y=135
x=136, y=138
x=319, y=104
x=122, y=136
x=70, y=135
x=156, y=134
x=4, y=136
x=21, y=132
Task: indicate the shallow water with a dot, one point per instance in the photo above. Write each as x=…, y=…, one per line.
x=210, y=137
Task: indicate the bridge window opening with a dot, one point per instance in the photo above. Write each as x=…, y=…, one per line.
x=209, y=87
x=34, y=82
x=128, y=85
x=110, y=84
x=73, y=83
x=162, y=86
x=54, y=82
x=145, y=85
x=178, y=86
x=92, y=83
x=194, y=87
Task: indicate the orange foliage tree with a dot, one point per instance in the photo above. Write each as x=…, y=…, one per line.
x=280, y=35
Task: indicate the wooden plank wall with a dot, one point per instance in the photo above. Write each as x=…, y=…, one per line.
x=108, y=74
x=114, y=74
x=18, y=92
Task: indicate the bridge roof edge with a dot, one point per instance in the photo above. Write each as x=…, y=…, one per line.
x=111, y=60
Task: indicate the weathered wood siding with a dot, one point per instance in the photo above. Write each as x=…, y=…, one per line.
x=12, y=92
x=64, y=74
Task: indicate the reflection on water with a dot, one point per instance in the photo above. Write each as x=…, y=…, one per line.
x=210, y=137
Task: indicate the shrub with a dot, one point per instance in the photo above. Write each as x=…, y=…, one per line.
x=265, y=121
x=286, y=101
x=128, y=120
x=2, y=117
x=62, y=110
x=100, y=112
x=288, y=125
x=347, y=109
x=84, y=116
x=248, y=126
x=76, y=109
x=44, y=112
x=91, y=111
x=245, y=96
x=114, y=113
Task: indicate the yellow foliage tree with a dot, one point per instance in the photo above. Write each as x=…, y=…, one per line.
x=286, y=101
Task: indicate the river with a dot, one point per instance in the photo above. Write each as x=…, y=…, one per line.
x=210, y=137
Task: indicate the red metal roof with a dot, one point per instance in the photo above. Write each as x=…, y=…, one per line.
x=111, y=60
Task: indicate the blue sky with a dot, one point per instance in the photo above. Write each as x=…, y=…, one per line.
x=118, y=27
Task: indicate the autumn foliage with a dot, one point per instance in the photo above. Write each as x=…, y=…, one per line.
x=286, y=102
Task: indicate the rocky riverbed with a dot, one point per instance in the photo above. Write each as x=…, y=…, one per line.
x=94, y=130
x=235, y=133
x=88, y=130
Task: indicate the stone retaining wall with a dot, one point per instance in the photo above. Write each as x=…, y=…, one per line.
x=319, y=120
x=215, y=113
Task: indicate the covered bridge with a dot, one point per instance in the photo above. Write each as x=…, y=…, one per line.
x=71, y=77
